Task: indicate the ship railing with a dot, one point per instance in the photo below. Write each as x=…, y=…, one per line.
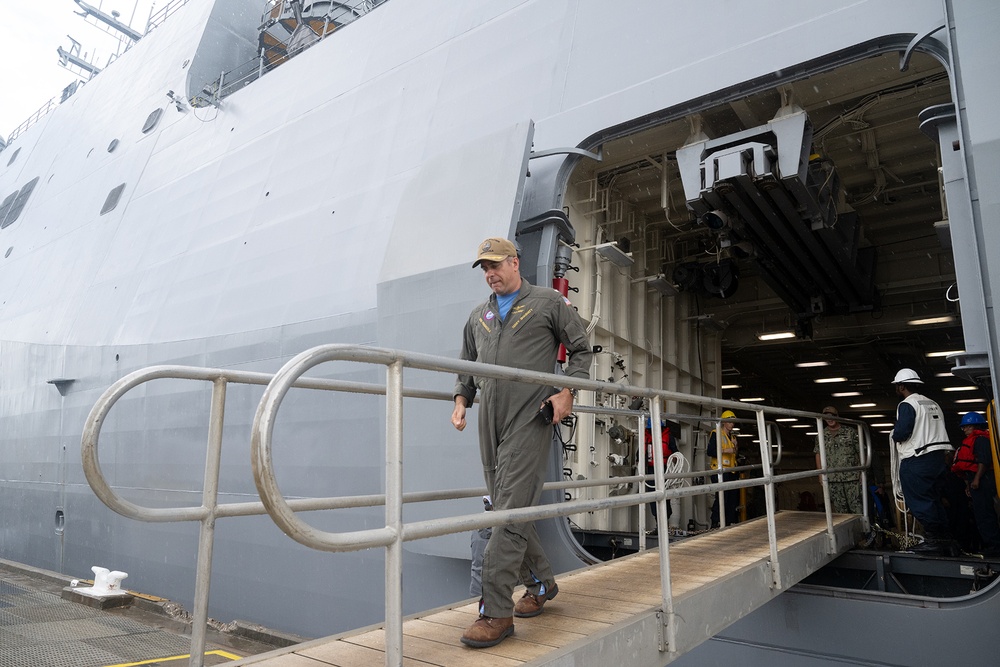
x=157, y=19
x=283, y=511
x=340, y=15
x=32, y=119
x=392, y=535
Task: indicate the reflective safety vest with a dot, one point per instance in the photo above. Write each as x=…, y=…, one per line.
x=728, y=458
x=928, y=430
x=965, y=458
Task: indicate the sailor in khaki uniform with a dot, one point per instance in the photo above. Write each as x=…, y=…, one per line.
x=520, y=326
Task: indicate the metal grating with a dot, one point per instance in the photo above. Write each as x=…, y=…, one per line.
x=40, y=629
x=143, y=646
x=63, y=654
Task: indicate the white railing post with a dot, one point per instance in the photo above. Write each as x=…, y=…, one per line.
x=394, y=514
x=772, y=531
x=668, y=632
x=825, y=482
x=206, y=537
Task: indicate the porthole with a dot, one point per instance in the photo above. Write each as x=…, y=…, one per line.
x=9, y=250
x=113, y=145
x=13, y=157
x=112, y=201
x=151, y=120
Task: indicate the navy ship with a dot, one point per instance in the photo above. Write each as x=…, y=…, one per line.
x=250, y=179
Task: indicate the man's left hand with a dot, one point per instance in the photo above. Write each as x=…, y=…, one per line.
x=562, y=405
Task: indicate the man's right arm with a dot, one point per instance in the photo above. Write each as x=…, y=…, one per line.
x=906, y=418
x=465, y=385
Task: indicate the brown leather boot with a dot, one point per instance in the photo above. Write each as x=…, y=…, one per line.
x=531, y=605
x=488, y=631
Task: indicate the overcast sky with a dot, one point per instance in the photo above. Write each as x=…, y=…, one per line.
x=31, y=32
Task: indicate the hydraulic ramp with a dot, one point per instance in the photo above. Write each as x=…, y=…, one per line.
x=609, y=614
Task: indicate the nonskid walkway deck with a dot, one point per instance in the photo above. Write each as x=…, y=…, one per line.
x=607, y=613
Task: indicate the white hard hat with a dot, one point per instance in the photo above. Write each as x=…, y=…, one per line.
x=907, y=375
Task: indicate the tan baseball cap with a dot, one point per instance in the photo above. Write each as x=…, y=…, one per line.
x=495, y=250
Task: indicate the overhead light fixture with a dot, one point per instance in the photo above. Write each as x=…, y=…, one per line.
x=812, y=432
x=829, y=380
x=801, y=426
x=944, y=319
x=744, y=435
x=776, y=335
x=885, y=432
x=872, y=416
x=812, y=364
x=787, y=419
x=947, y=374
x=614, y=254
x=863, y=405
x=973, y=411
x=756, y=399
x=662, y=285
x=968, y=388
x=943, y=353
x=730, y=386
x=971, y=400
x=845, y=394
x=883, y=425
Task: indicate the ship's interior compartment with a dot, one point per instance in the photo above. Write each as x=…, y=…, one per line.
x=790, y=247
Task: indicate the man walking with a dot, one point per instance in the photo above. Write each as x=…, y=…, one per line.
x=520, y=326
x=923, y=448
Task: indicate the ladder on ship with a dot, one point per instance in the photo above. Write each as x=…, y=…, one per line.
x=645, y=609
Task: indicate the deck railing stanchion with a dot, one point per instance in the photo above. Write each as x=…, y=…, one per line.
x=769, y=501
x=825, y=482
x=206, y=537
x=669, y=640
x=394, y=514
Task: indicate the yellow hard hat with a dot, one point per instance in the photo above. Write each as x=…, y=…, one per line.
x=728, y=414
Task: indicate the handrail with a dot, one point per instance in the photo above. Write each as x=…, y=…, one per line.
x=394, y=533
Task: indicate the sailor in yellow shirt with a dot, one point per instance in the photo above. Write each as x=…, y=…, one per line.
x=732, y=498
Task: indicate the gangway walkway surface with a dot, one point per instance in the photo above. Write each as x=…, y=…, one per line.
x=608, y=613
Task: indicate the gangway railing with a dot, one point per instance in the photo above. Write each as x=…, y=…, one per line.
x=395, y=532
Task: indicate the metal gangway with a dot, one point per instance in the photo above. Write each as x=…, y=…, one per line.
x=645, y=609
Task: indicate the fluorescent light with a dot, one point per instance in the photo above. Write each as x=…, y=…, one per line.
x=883, y=425
x=863, y=405
x=756, y=399
x=812, y=364
x=945, y=353
x=967, y=388
x=829, y=380
x=944, y=319
x=885, y=431
x=812, y=432
x=801, y=426
x=787, y=419
x=872, y=416
x=845, y=394
x=971, y=400
x=776, y=335
x=744, y=435
x=947, y=374
x=968, y=411
x=730, y=386
x=614, y=254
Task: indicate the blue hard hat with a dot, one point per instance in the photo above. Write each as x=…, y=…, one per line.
x=972, y=419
